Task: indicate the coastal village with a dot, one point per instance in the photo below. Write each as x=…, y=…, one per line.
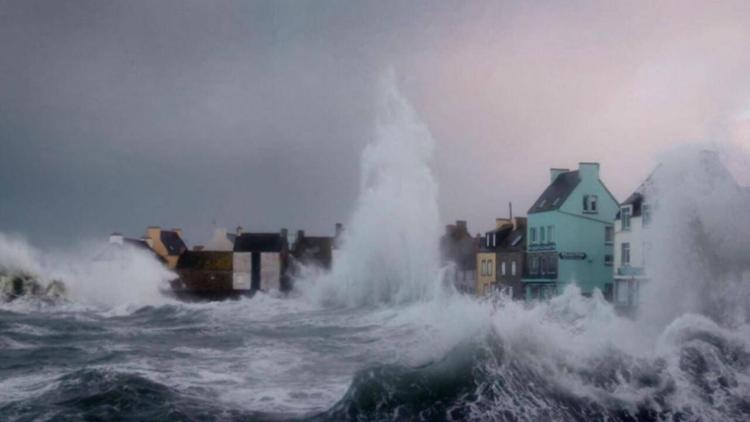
x=575, y=232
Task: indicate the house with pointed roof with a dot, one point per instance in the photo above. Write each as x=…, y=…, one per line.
x=168, y=244
x=261, y=260
x=570, y=235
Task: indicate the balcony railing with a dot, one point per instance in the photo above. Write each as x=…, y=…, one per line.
x=545, y=276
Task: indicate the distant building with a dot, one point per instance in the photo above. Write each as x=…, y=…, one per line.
x=222, y=240
x=459, y=248
x=486, y=263
x=317, y=251
x=207, y=275
x=168, y=244
x=570, y=235
x=117, y=241
x=511, y=255
x=501, y=257
x=630, y=248
x=262, y=260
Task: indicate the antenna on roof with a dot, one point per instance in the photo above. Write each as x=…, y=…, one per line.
x=510, y=210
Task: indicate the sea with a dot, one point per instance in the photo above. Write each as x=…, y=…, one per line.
x=383, y=335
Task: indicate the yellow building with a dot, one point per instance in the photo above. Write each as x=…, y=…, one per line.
x=167, y=244
x=486, y=276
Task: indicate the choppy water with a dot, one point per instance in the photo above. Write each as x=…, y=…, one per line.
x=284, y=358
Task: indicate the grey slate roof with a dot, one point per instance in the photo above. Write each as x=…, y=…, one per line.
x=557, y=192
x=259, y=242
x=173, y=242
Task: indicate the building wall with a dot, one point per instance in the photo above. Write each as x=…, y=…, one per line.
x=634, y=236
x=486, y=272
x=627, y=279
x=510, y=279
x=242, y=264
x=270, y=271
x=578, y=232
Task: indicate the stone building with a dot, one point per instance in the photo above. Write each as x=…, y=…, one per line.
x=459, y=249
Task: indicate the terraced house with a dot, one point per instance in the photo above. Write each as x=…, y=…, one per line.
x=570, y=235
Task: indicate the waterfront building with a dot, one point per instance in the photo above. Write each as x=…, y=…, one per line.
x=500, y=257
x=458, y=249
x=486, y=263
x=570, y=235
x=261, y=260
x=315, y=251
x=630, y=253
x=168, y=244
x=207, y=275
x=511, y=255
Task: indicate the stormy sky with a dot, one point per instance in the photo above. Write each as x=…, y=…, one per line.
x=196, y=114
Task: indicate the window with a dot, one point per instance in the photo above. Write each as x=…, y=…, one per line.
x=625, y=217
x=590, y=204
x=625, y=253
x=487, y=240
x=494, y=239
x=512, y=268
x=532, y=234
x=534, y=265
x=608, y=260
x=550, y=234
x=609, y=234
x=489, y=268
x=542, y=238
x=502, y=268
x=543, y=265
x=646, y=213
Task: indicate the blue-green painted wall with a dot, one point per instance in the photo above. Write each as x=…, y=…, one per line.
x=578, y=232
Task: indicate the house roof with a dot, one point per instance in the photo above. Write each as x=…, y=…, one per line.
x=206, y=260
x=259, y=242
x=557, y=192
x=173, y=242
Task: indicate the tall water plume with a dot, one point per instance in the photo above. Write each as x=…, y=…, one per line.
x=390, y=251
x=697, y=242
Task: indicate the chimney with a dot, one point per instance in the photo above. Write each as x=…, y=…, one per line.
x=300, y=234
x=238, y=230
x=553, y=173
x=339, y=229
x=198, y=247
x=518, y=221
x=116, y=238
x=450, y=228
x=588, y=171
x=284, y=234
x=461, y=225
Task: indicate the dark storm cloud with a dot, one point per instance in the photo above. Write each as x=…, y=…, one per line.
x=117, y=115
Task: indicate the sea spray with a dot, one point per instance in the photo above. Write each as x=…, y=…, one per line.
x=390, y=252
x=96, y=273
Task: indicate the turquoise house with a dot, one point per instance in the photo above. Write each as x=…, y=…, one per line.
x=570, y=235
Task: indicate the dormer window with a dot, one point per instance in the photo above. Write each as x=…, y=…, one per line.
x=590, y=204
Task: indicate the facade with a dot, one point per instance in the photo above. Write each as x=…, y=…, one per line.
x=570, y=235
x=262, y=260
x=630, y=249
x=315, y=251
x=207, y=275
x=168, y=244
x=459, y=249
x=511, y=255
